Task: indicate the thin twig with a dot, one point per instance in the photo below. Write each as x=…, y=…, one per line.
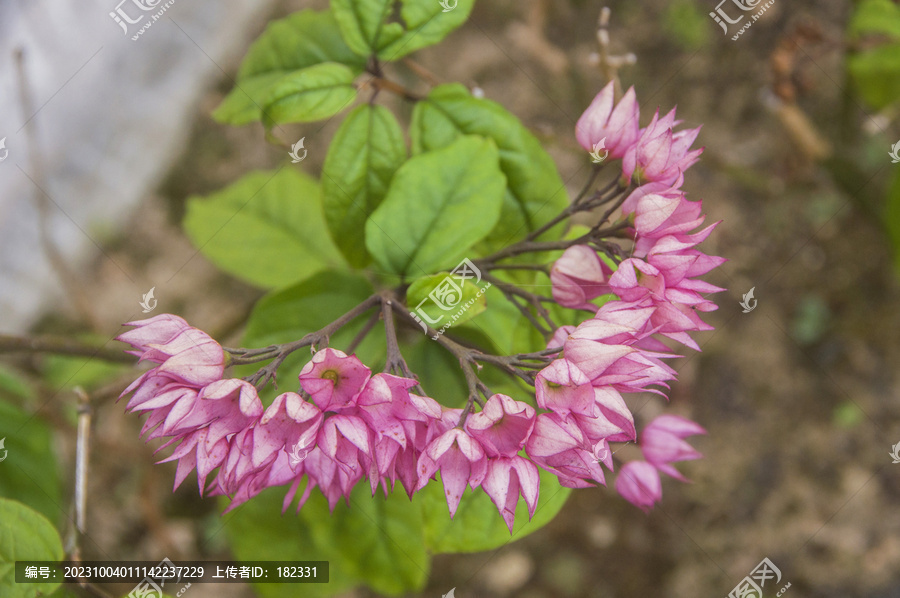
x=82, y=452
x=380, y=83
x=363, y=333
x=422, y=72
x=280, y=352
x=395, y=363
x=61, y=346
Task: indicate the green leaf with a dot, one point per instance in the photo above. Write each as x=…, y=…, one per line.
x=375, y=541
x=427, y=23
x=292, y=313
x=314, y=93
x=28, y=471
x=535, y=192
x=477, y=525
x=438, y=371
x=244, y=104
x=366, y=28
x=876, y=71
x=439, y=204
x=364, y=154
x=876, y=74
x=892, y=218
x=13, y=386
x=267, y=228
x=63, y=371
x=362, y=23
x=876, y=16
x=450, y=300
x=25, y=535
x=301, y=40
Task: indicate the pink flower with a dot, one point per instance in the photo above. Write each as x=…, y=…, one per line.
x=563, y=388
x=503, y=426
x=507, y=478
x=461, y=461
x=639, y=483
x=333, y=379
x=347, y=440
x=185, y=354
x=400, y=421
x=617, y=125
x=559, y=337
x=156, y=330
x=558, y=445
x=579, y=276
x=610, y=353
x=662, y=443
x=661, y=155
x=225, y=406
x=289, y=424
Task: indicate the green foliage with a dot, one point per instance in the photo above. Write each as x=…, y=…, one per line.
x=892, y=217
x=362, y=159
x=29, y=472
x=267, y=228
x=420, y=289
x=477, y=181
x=438, y=206
x=12, y=386
x=310, y=94
x=301, y=40
x=535, y=191
x=687, y=24
x=375, y=540
x=383, y=542
x=876, y=70
x=368, y=27
x=847, y=415
x=65, y=372
x=811, y=321
x=25, y=535
x=477, y=526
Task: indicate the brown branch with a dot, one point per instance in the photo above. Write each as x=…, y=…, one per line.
x=380, y=83
x=61, y=346
x=280, y=352
x=395, y=363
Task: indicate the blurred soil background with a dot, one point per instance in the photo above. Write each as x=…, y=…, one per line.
x=801, y=397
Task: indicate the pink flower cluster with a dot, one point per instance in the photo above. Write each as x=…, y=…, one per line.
x=345, y=424
x=658, y=291
x=350, y=425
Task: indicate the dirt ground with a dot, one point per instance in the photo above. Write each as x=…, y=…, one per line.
x=801, y=397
